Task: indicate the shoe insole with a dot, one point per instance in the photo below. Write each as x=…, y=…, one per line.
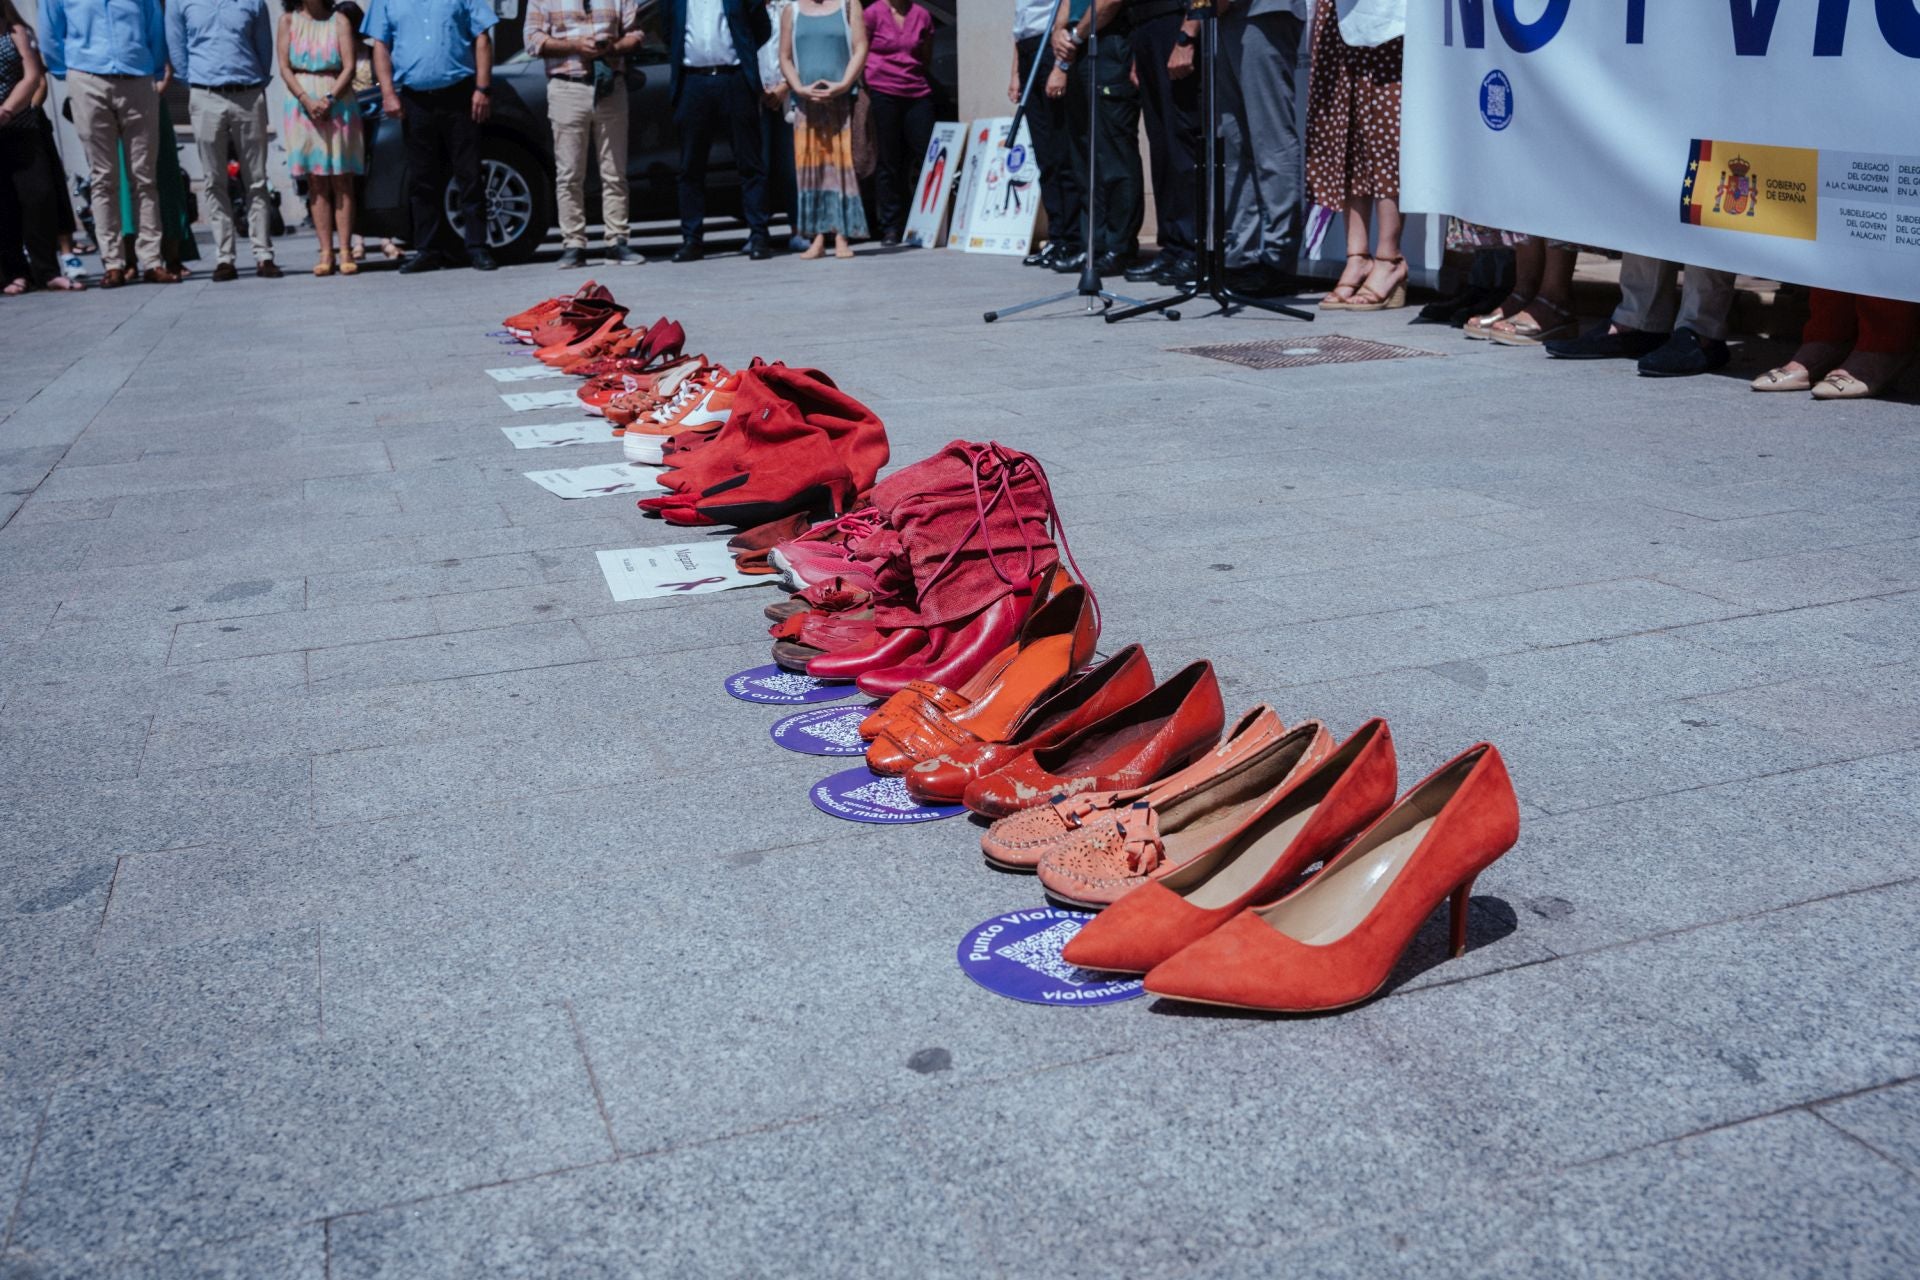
x=1333, y=903
x=1243, y=867
x=1105, y=755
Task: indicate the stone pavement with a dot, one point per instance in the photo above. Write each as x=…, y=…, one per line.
x=380, y=898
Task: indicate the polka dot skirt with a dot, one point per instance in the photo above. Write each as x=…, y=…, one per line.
x=1353, y=116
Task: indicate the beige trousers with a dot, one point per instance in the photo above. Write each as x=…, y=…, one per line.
x=233, y=121
x=108, y=110
x=581, y=125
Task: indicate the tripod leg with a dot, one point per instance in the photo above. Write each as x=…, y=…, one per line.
x=991, y=316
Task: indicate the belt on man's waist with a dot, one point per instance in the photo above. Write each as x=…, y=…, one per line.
x=569, y=77
x=226, y=88
x=711, y=71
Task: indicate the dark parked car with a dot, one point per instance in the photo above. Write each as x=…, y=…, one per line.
x=516, y=146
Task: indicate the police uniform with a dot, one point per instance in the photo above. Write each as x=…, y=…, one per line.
x=1117, y=201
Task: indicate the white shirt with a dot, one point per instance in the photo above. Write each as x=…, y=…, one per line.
x=1367, y=23
x=709, y=43
x=1033, y=17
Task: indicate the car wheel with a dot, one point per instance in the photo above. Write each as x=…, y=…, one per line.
x=518, y=215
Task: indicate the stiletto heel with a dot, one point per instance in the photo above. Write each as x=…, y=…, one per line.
x=1457, y=921
x=1335, y=940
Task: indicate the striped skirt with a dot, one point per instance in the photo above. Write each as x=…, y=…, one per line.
x=828, y=187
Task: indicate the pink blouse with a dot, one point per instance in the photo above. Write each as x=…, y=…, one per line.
x=898, y=50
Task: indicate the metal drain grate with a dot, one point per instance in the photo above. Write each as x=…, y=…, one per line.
x=1334, y=348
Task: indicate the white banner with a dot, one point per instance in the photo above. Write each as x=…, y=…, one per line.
x=1779, y=140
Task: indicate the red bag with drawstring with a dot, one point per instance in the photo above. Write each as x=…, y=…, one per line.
x=968, y=525
x=794, y=442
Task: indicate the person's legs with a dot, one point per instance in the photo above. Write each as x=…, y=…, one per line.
x=137, y=104
x=1271, y=55
x=1887, y=329
x=463, y=150
x=1172, y=112
x=1049, y=122
x=99, y=129
x=320, y=201
x=889, y=115
x=1241, y=222
x=343, y=212
x=23, y=171
x=1646, y=295
x=212, y=136
x=250, y=138
x=1121, y=196
x=916, y=135
x=695, y=118
x=426, y=171
x=14, y=271
x=742, y=108
x=1706, y=298
x=610, y=144
x=570, y=113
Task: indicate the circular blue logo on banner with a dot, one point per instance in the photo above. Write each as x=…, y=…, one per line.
x=824, y=731
x=1016, y=158
x=1496, y=100
x=1018, y=956
x=775, y=687
x=861, y=795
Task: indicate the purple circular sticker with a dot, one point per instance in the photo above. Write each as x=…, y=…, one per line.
x=823, y=731
x=861, y=795
x=1018, y=956
x=776, y=687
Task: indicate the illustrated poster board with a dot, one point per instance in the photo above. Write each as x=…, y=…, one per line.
x=933, y=194
x=1004, y=200
x=972, y=160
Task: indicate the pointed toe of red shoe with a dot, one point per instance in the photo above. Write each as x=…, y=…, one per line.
x=1247, y=964
x=939, y=781
x=1144, y=928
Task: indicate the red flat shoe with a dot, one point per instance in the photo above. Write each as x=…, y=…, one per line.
x=1252, y=858
x=575, y=322
x=1086, y=700
x=1062, y=614
x=1036, y=670
x=524, y=323
x=1022, y=841
x=1335, y=940
x=1121, y=850
x=1164, y=731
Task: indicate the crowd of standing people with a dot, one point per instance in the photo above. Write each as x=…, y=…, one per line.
x=827, y=106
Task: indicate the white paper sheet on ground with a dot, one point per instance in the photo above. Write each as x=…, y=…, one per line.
x=693, y=568
x=525, y=373
x=599, y=481
x=521, y=401
x=551, y=435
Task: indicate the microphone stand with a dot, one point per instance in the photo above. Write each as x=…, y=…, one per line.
x=1098, y=299
x=1212, y=281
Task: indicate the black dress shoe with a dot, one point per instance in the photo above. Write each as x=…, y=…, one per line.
x=1146, y=271
x=1069, y=264
x=1683, y=355
x=1259, y=281
x=1180, y=271
x=481, y=260
x=890, y=240
x=1039, y=257
x=1597, y=344
x=1112, y=262
x=689, y=251
x=758, y=250
x=425, y=260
